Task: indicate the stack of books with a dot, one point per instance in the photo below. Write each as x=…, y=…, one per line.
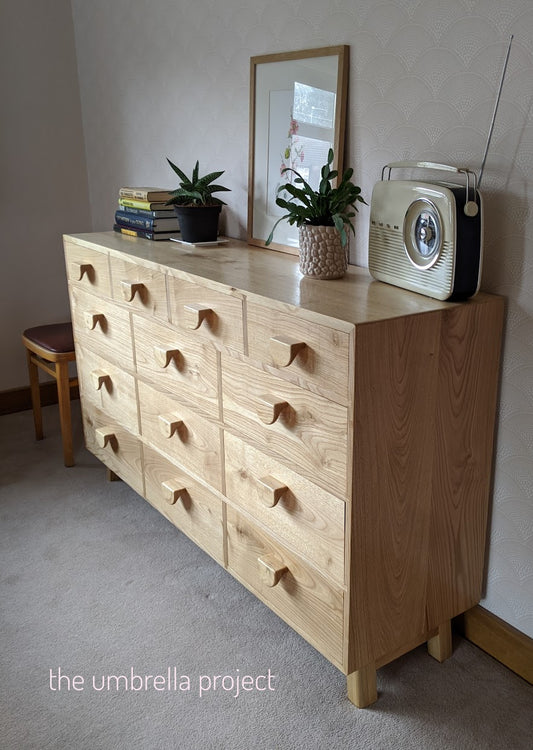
x=142, y=213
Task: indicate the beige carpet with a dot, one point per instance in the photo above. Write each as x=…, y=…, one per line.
x=96, y=583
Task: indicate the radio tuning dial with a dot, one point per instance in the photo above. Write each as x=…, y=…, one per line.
x=422, y=233
x=426, y=234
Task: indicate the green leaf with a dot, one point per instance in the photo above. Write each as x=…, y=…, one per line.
x=178, y=171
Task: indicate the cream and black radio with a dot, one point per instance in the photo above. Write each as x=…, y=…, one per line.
x=427, y=236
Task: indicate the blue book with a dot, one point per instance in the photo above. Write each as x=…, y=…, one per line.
x=144, y=233
x=151, y=224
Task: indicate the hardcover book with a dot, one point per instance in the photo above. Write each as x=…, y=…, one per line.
x=146, y=205
x=145, y=193
x=152, y=224
x=145, y=233
x=161, y=213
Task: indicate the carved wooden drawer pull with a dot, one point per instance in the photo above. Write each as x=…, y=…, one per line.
x=170, y=425
x=105, y=436
x=173, y=491
x=269, y=408
x=80, y=269
x=283, y=350
x=130, y=289
x=194, y=315
x=271, y=569
x=271, y=490
x=164, y=356
x=100, y=378
x=93, y=319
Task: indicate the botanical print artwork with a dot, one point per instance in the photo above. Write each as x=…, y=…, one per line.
x=301, y=133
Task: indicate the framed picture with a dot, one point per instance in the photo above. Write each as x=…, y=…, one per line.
x=297, y=113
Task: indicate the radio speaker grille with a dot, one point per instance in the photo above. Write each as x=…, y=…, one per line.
x=389, y=262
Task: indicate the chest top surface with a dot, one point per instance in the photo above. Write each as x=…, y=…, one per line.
x=269, y=275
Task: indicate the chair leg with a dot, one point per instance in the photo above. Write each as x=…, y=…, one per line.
x=33, y=372
x=63, y=394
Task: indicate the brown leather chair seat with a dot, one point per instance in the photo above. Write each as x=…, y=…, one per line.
x=50, y=348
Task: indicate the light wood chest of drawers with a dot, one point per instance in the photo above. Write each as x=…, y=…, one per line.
x=328, y=442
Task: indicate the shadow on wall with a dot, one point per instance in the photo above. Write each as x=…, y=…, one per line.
x=505, y=218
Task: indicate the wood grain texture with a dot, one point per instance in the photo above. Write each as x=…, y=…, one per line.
x=111, y=334
x=469, y=363
x=499, y=639
x=362, y=686
x=306, y=518
x=396, y=375
x=198, y=512
x=358, y=513
x=320, y=366
x=269, y=278
x=122, y=454
x=191, y=373
x=310, y=434
x=303, y=597
x=116, y=395
x=195, y=445
x=88, y=267
x=150, y=297
x=223, y=326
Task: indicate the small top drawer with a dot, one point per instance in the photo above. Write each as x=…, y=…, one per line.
x=208, y=313
x=139, y=287
x=88, y=268
x=311, y=354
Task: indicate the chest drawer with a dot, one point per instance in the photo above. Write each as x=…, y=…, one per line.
x=178, y=362
x=115, y=446
x=88, y=268
x=294, y=590
x=107, y=387
x=186, y=503
x=102, y=326
x=303, y=430
x=305, y=517
x=310, y=354
x=139, y=287
x=183, y=435
x=209, y=314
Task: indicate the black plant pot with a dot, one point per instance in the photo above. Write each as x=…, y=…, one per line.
x=198, y=223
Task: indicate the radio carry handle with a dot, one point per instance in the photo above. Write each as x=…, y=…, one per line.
x=471, y=208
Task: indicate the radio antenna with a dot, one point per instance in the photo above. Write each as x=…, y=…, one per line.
x=489, y=138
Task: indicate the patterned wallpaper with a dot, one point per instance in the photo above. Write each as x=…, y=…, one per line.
x=161, y=78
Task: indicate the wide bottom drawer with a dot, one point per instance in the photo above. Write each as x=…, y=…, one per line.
x=294, y=590
x=117, y=448
x=186, y=503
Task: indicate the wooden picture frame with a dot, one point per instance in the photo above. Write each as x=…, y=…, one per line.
x=298, y=104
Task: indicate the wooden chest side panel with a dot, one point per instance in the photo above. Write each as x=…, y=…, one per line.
x=396, y=388
x=465, y=411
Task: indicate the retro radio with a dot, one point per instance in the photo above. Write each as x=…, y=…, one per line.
x=427, y=236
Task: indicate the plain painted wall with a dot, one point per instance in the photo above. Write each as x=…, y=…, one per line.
x=43, y=178
x=160, y=78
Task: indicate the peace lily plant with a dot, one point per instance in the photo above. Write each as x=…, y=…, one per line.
x=327, y=206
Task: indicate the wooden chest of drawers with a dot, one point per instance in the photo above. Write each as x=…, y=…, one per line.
x=328, y=442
